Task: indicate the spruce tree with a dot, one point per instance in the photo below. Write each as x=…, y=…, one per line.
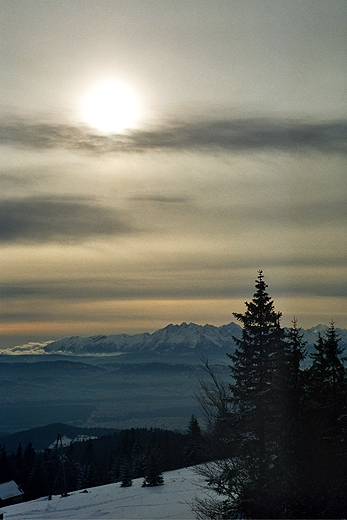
x=29, y=457
x=193, y=451
x=5, y=466
x=294, y=398
x=125, y=474
x=328, y=382
x=255, y=481
x=255, y=364
x=335, y=373
x=90, y=476
x=153, y=473
x=137, y=460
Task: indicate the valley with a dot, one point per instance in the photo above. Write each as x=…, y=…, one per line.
x=118, y=393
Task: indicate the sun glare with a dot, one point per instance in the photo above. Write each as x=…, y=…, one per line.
x=111, y=108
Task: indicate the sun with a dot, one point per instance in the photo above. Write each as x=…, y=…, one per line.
x=111, y=107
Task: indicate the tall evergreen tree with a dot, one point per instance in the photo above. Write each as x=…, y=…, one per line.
x=90, y=474
x=193, y=451
x=294, y=384
x=137, y=460
x=254, y=366
x=289, y=421
x=17, y=464
x=5, y=466
x=261, y=480
x=335, y=372
x=29, y=457
x=328, y=381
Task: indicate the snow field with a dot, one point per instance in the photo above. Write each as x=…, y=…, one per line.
x=170, y=501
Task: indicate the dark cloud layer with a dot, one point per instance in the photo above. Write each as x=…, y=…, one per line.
x=83, y=289
x=62, y=219
x=199, y=134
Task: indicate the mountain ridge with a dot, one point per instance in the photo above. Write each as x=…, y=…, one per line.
x=182, y=339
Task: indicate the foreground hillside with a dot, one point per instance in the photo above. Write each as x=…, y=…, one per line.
x=170, y=501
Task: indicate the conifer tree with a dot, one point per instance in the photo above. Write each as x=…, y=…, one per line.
x=254, y=365
x=125, y=474
x=289, y=422
x=137, y=460
x=153, y=473
x=5, y=466
x=193, y=451
x=17, y=463
x=257, y=483
x=29, y=457
x=335, y=372
x=294, y=384
x=90, y=476
x=328, y=381
x=38, y=482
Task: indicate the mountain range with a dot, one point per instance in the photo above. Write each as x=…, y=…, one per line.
x=172, y=339
x=182, y=340
x=117, y=381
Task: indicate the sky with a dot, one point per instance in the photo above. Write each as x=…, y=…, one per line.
x=155, y=154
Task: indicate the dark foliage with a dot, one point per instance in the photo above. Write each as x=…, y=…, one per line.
x=153, y=472
x=120, y=457
x=126, y=474
x=286, y=425
x=194, y=449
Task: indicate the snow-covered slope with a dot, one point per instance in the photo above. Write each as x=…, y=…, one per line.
x=98, y=344
x=170, y=501
x=66, y=441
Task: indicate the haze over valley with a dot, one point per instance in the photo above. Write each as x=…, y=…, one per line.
x=117, y=381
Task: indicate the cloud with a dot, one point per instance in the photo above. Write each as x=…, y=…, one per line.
x=32, y=348
x=161, y=199
x=229, y=135
x=201, y=278
x=60, y=219
x=289, y=214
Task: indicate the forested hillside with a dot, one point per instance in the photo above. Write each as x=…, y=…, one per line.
x=120, y=457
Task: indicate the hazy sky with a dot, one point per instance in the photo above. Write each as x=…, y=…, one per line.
x=235, y=160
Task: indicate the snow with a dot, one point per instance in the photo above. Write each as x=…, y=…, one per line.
x=9, y=490
x=170, y=501
x=66, y=441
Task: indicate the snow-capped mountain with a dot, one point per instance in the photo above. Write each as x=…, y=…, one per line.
x=98, y=344
x=182, y=340
x=179, y=339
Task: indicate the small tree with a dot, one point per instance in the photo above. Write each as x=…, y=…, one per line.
x=214, y=398
x=153, y=474
x=125, y=475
